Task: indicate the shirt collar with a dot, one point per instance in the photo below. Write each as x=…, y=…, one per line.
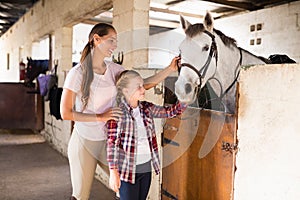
x=125, y=105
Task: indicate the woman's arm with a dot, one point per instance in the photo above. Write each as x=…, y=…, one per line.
x=160, y=76
x=68, y=113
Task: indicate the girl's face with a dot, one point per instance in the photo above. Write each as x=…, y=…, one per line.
x=107, y=43
x=135, y=90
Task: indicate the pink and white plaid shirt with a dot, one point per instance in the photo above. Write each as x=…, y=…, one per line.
x=122, y=137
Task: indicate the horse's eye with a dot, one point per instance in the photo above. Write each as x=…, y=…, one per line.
x=205, y=48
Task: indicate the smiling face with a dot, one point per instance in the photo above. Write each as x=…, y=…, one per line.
x=106, y=44
x=131, y=86
x=134, y=91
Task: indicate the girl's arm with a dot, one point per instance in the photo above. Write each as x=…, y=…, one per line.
x=167, y=111
x=113, y=142
x=114, y=180
x=160, y=76
x=68, y=113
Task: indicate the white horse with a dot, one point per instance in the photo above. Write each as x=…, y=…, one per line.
x=210, y=56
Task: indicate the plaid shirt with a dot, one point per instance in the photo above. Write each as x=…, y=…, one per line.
x=122, y=137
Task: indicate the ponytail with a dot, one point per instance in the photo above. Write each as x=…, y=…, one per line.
x=88, y=74
x=100, y=29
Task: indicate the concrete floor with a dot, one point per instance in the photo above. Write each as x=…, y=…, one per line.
x=30, y=169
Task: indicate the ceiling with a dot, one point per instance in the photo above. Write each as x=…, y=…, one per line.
x=12, y=10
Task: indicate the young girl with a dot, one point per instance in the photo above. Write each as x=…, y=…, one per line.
x=87, y=99
x=132, y=144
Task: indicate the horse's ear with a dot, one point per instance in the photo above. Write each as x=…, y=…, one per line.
x=208, y=22
x=184, y=23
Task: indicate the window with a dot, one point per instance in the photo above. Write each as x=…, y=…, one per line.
x=258, y=41
x=258, y=27
x=254, y=29
x=7, y=59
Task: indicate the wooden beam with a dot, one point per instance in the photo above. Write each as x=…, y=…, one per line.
x=163, y=23
x=163, y=10
x=234, y=4
x=96, y=20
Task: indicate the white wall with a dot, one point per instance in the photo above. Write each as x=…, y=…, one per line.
x=268, y=134
x=164, y=46
x=80, y=39
x=280, y=32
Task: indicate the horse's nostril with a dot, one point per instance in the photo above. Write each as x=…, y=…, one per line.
x=188, y=88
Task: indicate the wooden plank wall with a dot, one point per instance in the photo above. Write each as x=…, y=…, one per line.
x=191, y=177
x=20, y=108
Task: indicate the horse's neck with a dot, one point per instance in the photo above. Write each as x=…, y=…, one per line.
x=250, y=59
x=228, y=62
x=231, y=58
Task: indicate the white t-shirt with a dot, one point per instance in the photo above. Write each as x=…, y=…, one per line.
x=102, y=97
x=143, y=153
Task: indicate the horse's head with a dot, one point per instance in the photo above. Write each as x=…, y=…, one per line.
x=198, y=56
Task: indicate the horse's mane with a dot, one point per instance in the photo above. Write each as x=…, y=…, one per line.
x=228, y=41
x=195, y=29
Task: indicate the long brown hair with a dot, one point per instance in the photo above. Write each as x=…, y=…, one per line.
x=101, y=29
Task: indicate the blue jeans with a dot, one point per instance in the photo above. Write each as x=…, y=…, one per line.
x=140, y=189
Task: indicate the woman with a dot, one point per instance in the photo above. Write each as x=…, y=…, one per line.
x=88, y=98
x=132, y=144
